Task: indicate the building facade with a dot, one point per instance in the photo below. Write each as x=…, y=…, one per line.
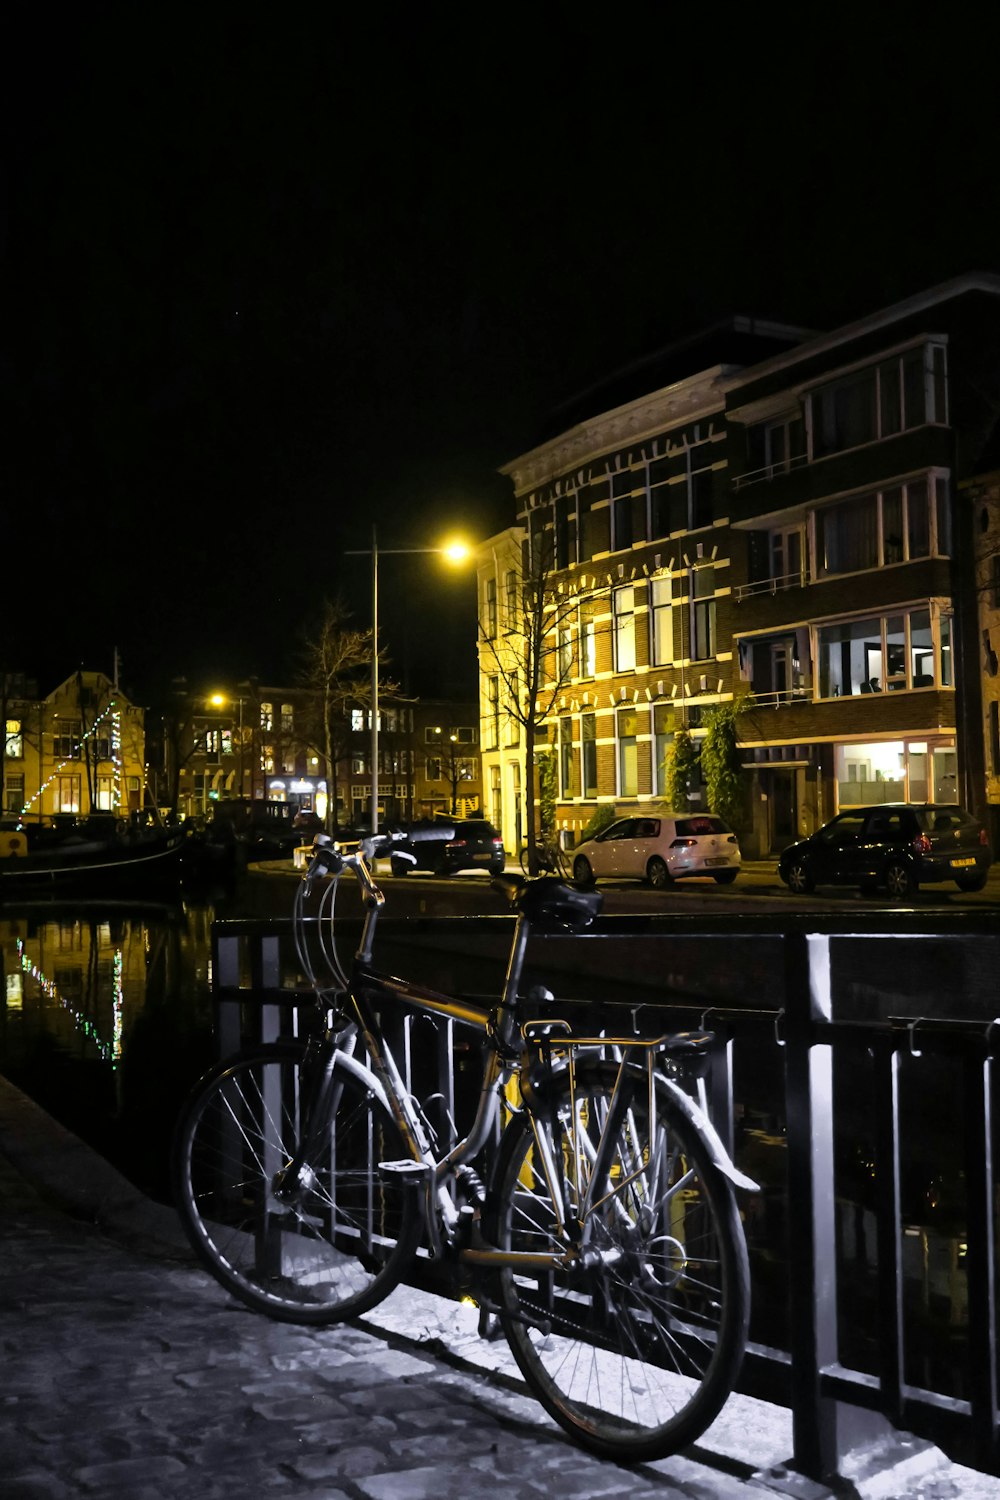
x=78, y=750
x=776, y=525
x=262, y=742
x=499, y=570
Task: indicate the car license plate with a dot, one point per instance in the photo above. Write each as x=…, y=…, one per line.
x=722, y=861
x=957, y=863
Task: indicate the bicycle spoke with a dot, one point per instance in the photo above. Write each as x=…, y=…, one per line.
x=634, y=1344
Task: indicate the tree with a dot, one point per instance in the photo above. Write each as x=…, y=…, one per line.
x=680, y=768
x=548, y=788
x=720, y=762
x=531, y=660
x=336, y=673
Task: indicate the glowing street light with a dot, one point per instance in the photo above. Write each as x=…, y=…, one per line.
x=455, y=552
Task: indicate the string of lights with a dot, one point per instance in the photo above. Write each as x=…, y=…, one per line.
x=109, y=1051
x=115, y=712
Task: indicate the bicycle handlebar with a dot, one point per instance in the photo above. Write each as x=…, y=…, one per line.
x=327, y=859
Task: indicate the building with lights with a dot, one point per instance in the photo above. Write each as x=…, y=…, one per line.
x=501, y=645
x=263, y=743
x=76, y=751
x=768, y=516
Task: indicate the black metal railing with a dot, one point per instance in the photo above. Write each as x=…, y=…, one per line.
x=832, y=1048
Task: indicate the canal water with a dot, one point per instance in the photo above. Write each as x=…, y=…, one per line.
x=106, y=1021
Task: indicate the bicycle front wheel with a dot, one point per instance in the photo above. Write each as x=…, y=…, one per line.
x=340, y=1242
x=525, y=862
x=636, y=1348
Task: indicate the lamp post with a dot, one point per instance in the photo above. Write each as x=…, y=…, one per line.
x=455, y=552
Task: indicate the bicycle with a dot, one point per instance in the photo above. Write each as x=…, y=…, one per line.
x=549, y=859
x=606, y=1242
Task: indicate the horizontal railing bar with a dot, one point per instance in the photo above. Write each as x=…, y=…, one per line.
x=907, y=922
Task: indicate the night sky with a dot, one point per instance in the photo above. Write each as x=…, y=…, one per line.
x=273, y=280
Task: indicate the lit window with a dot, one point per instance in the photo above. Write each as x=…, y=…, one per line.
x=623, y=603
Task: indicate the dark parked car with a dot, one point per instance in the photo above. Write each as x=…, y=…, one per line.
x=898, y=845
x=468, y=844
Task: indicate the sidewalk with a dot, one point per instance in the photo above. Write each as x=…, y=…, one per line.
x=128, y=1374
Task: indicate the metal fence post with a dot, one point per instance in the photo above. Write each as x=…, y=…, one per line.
x=812, y=1253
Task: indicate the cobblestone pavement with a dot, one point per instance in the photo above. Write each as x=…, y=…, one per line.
x=128, y=1374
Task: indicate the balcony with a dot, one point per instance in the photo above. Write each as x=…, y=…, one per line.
x=761, y=476
x=795, y=580
x=800, y=695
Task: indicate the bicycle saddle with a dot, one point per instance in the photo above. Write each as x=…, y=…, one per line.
x=549, y=899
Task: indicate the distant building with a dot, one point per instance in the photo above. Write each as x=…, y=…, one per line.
x=76, y=751
x=258, y=741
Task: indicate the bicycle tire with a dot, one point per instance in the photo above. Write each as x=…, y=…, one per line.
x=635, y=1356
x=525, y=863
x=347, y=1241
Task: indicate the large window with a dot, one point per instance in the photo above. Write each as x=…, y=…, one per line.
x=870, y=531
x=903, y=392
x=218, y=742
x=884, y=654
x=700, y=485
x=490, y=609
x=627, y=728
x=68, y=794
x=13, y=746
x=661, y=621
x=564, y=654
x=492, y=712
x=588, y=647
x=510, y=597
x=566, y=530
x=663, y=734
x=566, y=757
x=703, y=628
x=66, y=744
x=13, y=791
x=623, y=603
x=588, y=754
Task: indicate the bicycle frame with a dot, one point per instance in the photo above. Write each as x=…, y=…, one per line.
x=369, y=988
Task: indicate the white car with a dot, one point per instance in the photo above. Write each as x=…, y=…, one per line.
x=660, y=848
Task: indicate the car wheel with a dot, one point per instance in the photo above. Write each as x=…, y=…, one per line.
x=725, y=877
x=657, y=874
x=970, y=882
x=398, y=866
x=582, y=873
x=798, y=878
x=899, y=879
x=440, y=865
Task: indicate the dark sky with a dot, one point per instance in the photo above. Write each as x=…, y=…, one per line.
x=275, y=279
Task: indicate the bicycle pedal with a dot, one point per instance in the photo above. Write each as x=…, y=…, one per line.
x=416, y=1171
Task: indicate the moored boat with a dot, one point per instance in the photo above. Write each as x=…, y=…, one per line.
x=99, y=855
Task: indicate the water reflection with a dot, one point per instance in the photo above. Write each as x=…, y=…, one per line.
x=106, y=1021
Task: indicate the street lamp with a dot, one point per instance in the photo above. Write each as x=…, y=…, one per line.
x=455, y=552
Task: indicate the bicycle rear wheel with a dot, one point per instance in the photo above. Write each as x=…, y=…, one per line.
x=636, y=1350
x=346, y=1237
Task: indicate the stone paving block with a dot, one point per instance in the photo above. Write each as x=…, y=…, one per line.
x=132, y=1476
x=35, y=1486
